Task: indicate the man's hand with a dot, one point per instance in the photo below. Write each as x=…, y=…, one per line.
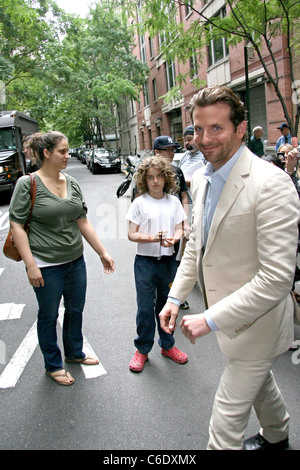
x=168, y=317
x=194, y=326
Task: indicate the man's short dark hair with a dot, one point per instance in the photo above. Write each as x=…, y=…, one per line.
x=219, y=94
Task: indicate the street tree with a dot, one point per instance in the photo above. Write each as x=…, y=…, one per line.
x=69, y=73
x=255, y=24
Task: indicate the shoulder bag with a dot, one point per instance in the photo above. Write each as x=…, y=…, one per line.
x=10, y=250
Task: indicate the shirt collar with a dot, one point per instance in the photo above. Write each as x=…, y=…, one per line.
x=225, y=170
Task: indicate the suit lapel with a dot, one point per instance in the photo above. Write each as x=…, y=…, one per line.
x=233, y=187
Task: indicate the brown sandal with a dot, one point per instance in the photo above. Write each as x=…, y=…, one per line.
x=87, y=360
x=61, y=377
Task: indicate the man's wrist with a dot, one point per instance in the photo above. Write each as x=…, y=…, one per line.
x=172, y=300
x=210, y=321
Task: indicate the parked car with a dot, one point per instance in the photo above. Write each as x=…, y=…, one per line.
x=83, y=154
x=104, y=159
x=73, y=152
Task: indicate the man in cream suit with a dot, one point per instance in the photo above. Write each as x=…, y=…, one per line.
x=242, y=249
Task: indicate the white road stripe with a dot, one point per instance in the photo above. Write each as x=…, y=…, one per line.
x=11, y=311
x=17, y=364
x=90, y=372
x=15, y=367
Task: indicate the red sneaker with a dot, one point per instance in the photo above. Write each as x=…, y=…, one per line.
x=176, y=355
x=138, y=361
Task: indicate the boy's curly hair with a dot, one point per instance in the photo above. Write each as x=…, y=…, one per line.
x=161, y=164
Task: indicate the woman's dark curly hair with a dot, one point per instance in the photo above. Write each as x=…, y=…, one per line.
x=161, y=164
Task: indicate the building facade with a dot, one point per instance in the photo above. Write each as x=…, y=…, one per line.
x=222, y=65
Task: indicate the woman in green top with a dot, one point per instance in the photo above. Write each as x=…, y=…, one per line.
x=53, y=251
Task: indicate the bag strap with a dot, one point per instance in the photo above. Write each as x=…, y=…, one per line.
x=32, y=195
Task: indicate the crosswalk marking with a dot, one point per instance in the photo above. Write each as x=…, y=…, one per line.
x=90, y=372
x=15, y=367
x=17, y=364
x=11, y=311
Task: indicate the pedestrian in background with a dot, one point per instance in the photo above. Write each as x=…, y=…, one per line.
x=53, y=251
x=32, y=164
x=192, y=159
x=255, y=144
x=155, y=223
x=245, y=211
x=285, y=137
x=165, y=147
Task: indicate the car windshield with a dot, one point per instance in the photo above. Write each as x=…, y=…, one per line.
x=105, y=153
x=7, y=139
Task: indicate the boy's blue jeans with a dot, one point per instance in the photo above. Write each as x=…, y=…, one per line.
x=153, y=279
x=68, y=281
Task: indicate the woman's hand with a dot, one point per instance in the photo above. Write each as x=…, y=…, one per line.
x=35, y=276
x=108, y=263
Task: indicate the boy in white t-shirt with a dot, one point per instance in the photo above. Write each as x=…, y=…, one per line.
x=155, y=224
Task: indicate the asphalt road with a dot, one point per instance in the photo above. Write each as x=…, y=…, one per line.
x=165, y=408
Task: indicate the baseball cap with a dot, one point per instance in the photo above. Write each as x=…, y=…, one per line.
x=189, y=130
x=283, y=125
x=164, y=141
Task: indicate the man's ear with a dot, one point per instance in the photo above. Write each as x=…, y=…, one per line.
x=241, y=129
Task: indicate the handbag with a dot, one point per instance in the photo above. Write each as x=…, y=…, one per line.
x=296, y=310
x=10, y=250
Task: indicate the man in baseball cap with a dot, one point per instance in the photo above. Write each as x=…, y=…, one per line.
x=286, y=137
x=192, y=158
x=164, y=141
x=165, y=146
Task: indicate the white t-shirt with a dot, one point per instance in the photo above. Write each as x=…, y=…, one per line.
x=153, y=215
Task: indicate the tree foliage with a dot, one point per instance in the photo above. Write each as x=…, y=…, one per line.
x=255, y=23
x=69, y=73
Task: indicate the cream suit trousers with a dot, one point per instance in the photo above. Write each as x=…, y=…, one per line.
x=243, y=384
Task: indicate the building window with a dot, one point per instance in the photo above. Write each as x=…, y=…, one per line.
x=151, y=48
x=217, y=49
x=143, y=49
x=146, y=94
x=188, y=7
x=133, y=107
x=193, y=66
x=154, y=90
x=170, y=74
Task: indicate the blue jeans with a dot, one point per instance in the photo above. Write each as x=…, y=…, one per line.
x=68, y=281
x=153, y=279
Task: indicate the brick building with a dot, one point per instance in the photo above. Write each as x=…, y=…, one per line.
x=222, y=65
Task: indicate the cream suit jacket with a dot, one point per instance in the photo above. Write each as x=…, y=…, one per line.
x=246, y=270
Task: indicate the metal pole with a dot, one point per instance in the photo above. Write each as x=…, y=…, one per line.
x=247, y=93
